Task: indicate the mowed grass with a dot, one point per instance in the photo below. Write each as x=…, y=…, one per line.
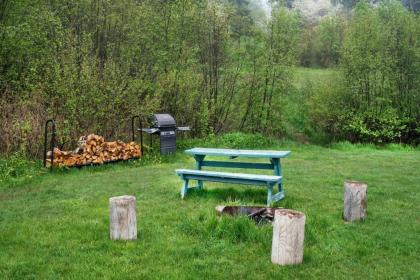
x=304, y=75
x=56, y=225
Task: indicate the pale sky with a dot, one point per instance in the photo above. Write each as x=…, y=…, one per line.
x=265, y=6
x=312, y=10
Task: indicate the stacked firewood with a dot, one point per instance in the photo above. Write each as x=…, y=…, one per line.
x=93, y=149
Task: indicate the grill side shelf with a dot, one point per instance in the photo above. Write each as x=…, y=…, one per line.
x=149, y=130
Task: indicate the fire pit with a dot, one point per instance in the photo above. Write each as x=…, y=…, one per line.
x=260, y=215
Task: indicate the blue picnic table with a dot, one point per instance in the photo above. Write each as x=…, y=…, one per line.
x=273, y=163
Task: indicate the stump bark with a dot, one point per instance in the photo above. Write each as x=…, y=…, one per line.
x=122, y=218
x=288, y=237
x=355, y=201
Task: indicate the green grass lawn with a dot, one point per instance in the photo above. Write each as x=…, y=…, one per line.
x=56, y=225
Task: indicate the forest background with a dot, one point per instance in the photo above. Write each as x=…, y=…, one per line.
x=351, y=73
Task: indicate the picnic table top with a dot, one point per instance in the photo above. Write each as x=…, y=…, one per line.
x=238, y=153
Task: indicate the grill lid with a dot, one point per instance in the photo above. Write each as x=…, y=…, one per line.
x=163, y=120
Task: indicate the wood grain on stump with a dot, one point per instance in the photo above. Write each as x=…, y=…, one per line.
x=122, y=218
x=355, y=201
x=288, y=237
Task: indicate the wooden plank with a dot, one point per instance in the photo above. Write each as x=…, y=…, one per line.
x=238, y=153
x=226, y=164
x=187, y=173
x=226, y=180
x=234, y=178
x=278, y=196
x=184, y=189
x=198, y=164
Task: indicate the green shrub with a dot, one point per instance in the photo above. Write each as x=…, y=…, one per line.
x=17, y=168
x=234, y=140
x=375, y=98
x=243, y=140
x=367, y=127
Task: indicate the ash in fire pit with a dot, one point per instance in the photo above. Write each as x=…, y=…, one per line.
x=261, y=215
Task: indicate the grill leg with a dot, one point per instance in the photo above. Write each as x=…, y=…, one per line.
x=151, y=141
x=184, y=189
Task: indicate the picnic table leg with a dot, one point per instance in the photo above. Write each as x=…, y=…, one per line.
x=277, y=171
x=269, y=194
x=198, y=164
x=184, y=189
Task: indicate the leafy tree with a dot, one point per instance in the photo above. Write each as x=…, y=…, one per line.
x=331, y=33
x=380, y=65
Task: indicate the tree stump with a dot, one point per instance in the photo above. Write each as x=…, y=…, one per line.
x=355, y=201
x=288, y=237
x=122, y=218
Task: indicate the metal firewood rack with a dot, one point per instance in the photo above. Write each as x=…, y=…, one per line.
x=133, y=131
x=52, y=141
x=50, y=129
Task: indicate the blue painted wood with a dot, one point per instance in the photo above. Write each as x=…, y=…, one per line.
x=198, y=164
x=237, y=153
x=184, y=189
x=227, y=164
x=275, y=165
x=225, y=175
x=226, y=180
x=278, y=196
x=277, y=171
x=235, y=178
x=269, y=193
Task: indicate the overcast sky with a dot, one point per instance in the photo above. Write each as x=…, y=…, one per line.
x=264, y=5
x=312, y=10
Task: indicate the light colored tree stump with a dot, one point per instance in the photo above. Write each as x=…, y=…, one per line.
x=122, y=218
x=288, y=237
x=355, y=201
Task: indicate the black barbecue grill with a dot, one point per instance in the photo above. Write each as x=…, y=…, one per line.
x=164, y=126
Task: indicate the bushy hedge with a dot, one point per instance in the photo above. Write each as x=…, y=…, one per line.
x=376, y=95
x=91, y=65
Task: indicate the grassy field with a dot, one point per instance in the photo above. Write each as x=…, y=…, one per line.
x=56, y=225
x=304, y=75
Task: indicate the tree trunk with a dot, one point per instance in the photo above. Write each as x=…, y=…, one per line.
x=288, y=237
x=122, y=217
x=355, y=201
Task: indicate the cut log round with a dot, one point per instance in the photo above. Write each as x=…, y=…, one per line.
x=122, y=218
x=288, y=237
x=355, y=201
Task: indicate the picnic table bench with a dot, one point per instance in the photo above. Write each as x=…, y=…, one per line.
x=269, y=181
